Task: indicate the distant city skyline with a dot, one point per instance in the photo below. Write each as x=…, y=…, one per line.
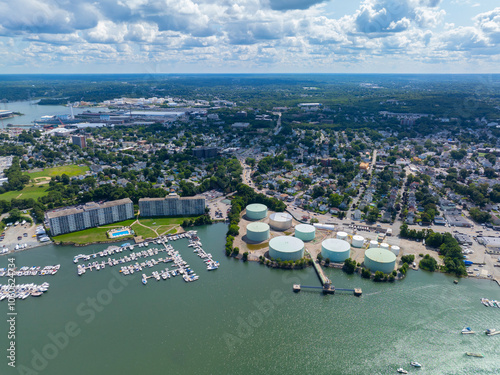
x=250, y=36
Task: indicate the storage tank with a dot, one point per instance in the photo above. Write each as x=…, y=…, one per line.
x=373, y=244
x=280, y=221
x=286, y=248
x=256, y=211
x=384, y=246
x=305, y=232
x=342, y=235
x=257, y=232
x=324, y=226
x=380, y=260
x=395, y=250
x=336, y=250
x=358, y=241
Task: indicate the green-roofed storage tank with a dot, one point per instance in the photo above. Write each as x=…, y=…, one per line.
x=286, y=248
x=256, y=211
x=305, y=232
x=378, y=259
x=336, y=250
x=258, y=232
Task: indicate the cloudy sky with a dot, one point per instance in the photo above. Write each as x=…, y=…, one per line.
x=254, y=36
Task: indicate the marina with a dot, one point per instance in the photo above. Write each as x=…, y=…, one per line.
x=144, y=258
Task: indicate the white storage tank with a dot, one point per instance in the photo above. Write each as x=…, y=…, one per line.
x=280, y=221
x=324, y=226
x=342, y=235
x=380, y=260
x=336, y=250
x=257, y=232
x=286, y=248
x=384, y=246
x=373, y=244
x=358, y=241
x=305, y=232
x=256, y=211
x=395, y=250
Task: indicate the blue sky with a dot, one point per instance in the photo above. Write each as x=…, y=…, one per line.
x=250, y=36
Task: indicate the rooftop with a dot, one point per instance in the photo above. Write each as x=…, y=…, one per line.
x=86, y=207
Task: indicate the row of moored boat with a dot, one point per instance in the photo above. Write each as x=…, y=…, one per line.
x=30, y=271
x=22, y=291
x=493, y=303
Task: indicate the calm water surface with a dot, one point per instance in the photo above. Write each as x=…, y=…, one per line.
x=244, y=319
x=32, y=112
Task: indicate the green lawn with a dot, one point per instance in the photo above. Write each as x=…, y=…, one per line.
x=93, y=234
x=70, y=170
x=143, y=232
x=29, y=191
x=162, y=225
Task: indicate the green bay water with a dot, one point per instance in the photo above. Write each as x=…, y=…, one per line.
x=244, y=319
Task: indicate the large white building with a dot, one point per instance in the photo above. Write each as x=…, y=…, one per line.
x=90, y=215
x=172, y=205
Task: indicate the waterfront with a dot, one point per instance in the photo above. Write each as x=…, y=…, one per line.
x=32, y=111
x=244, y=319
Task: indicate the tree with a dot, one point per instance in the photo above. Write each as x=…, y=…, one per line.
x=479, y=216
x=250, y=162
x=373, y=215
x=410, y=258
x=318, y=191
x=65, y=179
x=379, y=276
x=349, y=266
x=233, y=230
x=428, y=263
x=335, y=200
x=245, y=256
x=365, y=273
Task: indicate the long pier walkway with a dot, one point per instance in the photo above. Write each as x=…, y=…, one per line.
x=322, y=277
x=326, y=283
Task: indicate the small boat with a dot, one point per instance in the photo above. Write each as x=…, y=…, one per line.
x=467, y=330
x=415, y=364
x=401, y=371
x=470, y=354
x=492, y=332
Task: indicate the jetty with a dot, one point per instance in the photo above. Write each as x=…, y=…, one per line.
x=327, y=286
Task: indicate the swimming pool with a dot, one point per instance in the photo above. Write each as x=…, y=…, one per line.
x=120, y=233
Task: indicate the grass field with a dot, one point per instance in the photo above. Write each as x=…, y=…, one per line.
x=70, y=170
x=28, y=192
x=37, y=191
x=93, y=234
x=163, y=225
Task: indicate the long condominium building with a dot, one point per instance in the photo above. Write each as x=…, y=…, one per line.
x=90, y=215
x=172, y=205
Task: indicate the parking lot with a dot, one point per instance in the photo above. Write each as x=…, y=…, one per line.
x=18, y=235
